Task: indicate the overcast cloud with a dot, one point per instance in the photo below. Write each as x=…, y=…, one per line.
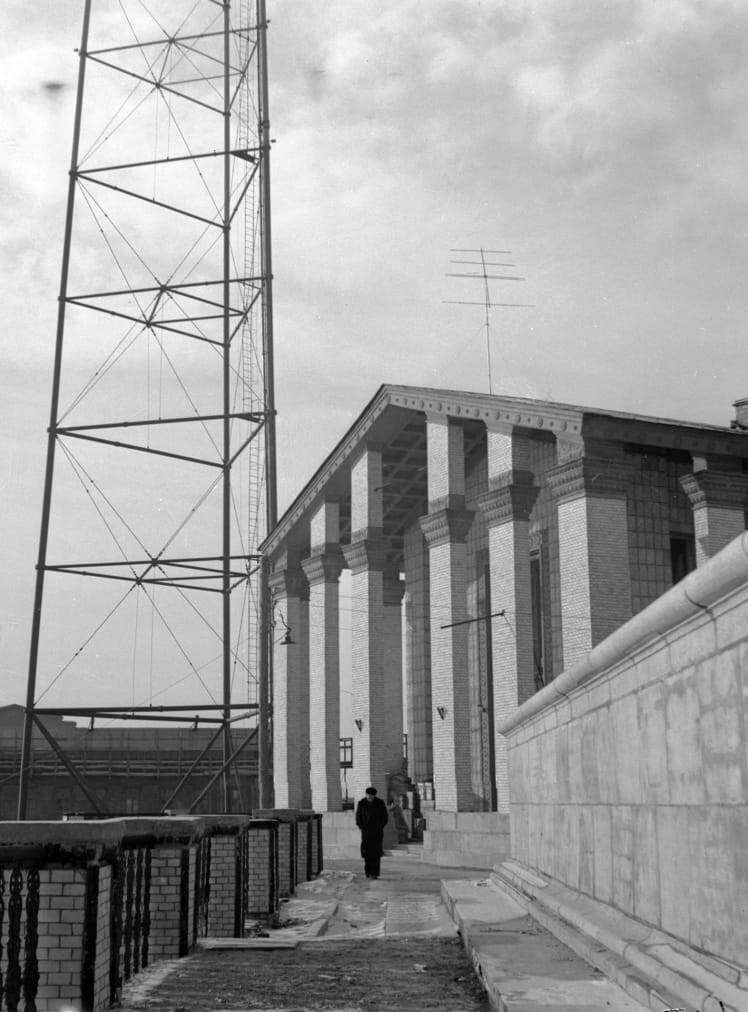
x=604, y=143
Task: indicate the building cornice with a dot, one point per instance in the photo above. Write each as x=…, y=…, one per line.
x=560, y=420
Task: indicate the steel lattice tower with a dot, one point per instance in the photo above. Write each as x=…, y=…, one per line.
x=160, y=480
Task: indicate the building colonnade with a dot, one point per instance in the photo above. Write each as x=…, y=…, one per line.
x=417, y=606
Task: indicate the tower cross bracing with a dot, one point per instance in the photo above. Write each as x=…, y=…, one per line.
x=160, y=474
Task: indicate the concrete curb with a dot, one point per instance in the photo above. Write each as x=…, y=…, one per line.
x=656, y=969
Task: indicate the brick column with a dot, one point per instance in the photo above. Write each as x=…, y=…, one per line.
x=506, y=509
x=593, y=547
x=718, y=501
x=262, y=869
x=322, y=570
x=445, y=528
x=290, y=685
x=225, y=908
x=371, y=685
x=418, y=656
x=393, y=589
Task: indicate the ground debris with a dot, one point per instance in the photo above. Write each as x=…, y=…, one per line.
x=373, y=975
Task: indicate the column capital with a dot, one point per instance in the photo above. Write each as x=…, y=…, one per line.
x=323, y=566
x=599, y=477
x=716, y=489
x=366, y=553
x=446, y=525
x=289, y=582
x=511, y=499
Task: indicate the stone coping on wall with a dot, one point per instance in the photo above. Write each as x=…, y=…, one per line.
x=86, y=838
x=695, y=594
x=285, y=814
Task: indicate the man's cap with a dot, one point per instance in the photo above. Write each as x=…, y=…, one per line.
x=371, y=790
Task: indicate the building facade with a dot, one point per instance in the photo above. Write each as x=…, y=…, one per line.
x=491, y=542
x=129, y=770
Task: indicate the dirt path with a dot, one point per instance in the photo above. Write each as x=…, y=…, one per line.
x=375, y=975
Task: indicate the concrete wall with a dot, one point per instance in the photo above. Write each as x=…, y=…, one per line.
x=629, y=772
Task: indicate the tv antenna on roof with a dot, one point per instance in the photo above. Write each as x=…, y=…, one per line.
x=487, y=302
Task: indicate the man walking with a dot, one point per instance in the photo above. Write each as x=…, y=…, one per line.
x=371, y=818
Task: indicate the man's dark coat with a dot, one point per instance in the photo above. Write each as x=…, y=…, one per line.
x=371, y=818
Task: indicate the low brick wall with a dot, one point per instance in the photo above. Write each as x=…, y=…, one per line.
x=89, y=904
x=629, y=775
x=288, y=846
x=304, y=848
x=263, y=886
x=317, y=851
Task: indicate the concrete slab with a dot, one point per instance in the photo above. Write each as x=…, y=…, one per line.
x=247, y=943
x=522, y=966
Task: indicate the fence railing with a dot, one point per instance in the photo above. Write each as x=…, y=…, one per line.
x=85, y=906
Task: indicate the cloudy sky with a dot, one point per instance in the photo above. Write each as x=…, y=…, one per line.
x=603, y=143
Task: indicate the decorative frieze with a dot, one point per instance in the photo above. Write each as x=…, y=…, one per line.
x=446, y=526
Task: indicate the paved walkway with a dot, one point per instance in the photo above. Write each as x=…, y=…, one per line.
x=320, y=954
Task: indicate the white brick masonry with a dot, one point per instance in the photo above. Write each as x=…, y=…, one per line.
x=392, y=676
x=445, y=462
x=371, y=686
x=507, y=512
x=290, y=687
x=593, y=551
x=719, y=503
x=418, y=655
x=322, y=571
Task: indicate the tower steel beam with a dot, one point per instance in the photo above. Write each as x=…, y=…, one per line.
x=36, y=619
x=166, y=243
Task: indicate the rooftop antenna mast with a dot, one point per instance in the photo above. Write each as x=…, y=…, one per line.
x=487, y=302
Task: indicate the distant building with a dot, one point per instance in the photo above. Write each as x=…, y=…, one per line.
x=558, y=522
x=130, y=770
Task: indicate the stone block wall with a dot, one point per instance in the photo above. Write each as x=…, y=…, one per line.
x=629, y=773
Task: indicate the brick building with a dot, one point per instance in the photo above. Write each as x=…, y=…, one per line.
x=492, y=542
x=130, y=770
